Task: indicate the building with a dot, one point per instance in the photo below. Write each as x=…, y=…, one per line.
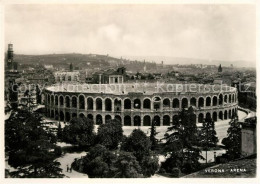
x=73, y=76
x=138, y=105
x=110, y=76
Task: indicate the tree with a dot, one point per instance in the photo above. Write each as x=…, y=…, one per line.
x=110, y=134
x=153, y=136
x=182, y=141
x=29, y=146
x=233, y=140
x=59, y=132
x=80, y=131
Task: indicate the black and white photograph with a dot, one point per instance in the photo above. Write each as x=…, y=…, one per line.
x=129, y=90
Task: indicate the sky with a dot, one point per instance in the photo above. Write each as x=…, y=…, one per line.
x=224, y=32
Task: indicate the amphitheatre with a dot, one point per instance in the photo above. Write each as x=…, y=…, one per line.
x=138, y=104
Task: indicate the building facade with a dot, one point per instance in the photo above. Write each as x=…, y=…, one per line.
x=137, y=106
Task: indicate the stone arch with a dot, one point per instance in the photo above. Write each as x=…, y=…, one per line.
x=215, y=101
x=176, y=103
x=67, y=101
x=90, y=116
x=81, y=115
x=157, y=120
x=215, y=116
x=137, y=121
x=56, y=100
x=117, y=104
x=127, y=121
x=184, y=103
x=208, y=101
x=108, y=104
x=225, y=114
x=208, y=115
x=201, y=102
x=74, y=101
x=147, y=120
x=201, y=118
x=220, y=99
x=147, y=103
x=99, y=119
x=225, y=98
x=220, y=115
x=137, y=103
x=117, y=117
x=166, y=102
x=157, y=102
x=99, y=104
x=81, y=102
x=74, y=115
x=166, y=120
x=61, y=116
x=193, y=102
x=175, y=119
x=52, y=99
x=127, y=105
x=107, y=118
x=67, y=116
x=90, y=103
x=61, y=100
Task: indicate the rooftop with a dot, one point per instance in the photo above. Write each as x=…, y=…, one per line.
x=145, y=88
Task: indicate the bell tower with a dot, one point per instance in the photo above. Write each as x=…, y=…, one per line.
x=10, y=57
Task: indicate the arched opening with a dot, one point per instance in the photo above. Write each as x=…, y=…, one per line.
x=107, y=118
x=81, y=115
x=184, y=103
x=127, y=104
x=208, y=116
x=74, y=115
x=56, y=100
x=201, y=118
x=215, y=116
x=175, y=119
x=90, y=116
x=108, y=104
x=67, y=116
x=147, y=104
x=193, y=102
x=176, y=103
x=90, y=103
x=118, y=118
x=48, y=99
x=81, y=102
x=52, y=113
x=208, y=101
x=61, y=116
x=147, y=120
x=127, y=121
x=220, y=99
x=99, y=104
x=74, y=102
x=201, y=102
x=67, y=99
x=137, y=104
x=229, y=98
x=225, y=99
x=215, y=101
x=137, y=121
x=99, y=119
x=166, y=103
x=52, y=100
x=225, y=115
x=166, y=120
x=220, y=115
x=229, y=114
x=157, y=120
x=117, y=105
x=61, y=101
x=157, y=103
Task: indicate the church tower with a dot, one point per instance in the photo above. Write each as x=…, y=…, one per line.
x=10, y=57
x=220, y=68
